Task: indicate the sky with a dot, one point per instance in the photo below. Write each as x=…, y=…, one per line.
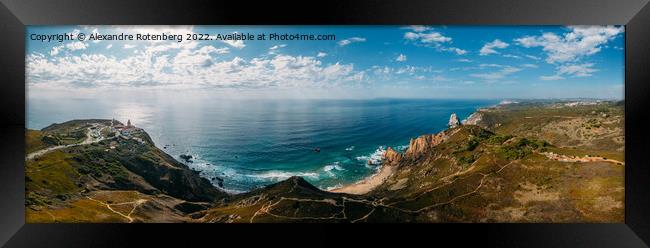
x=469, y=62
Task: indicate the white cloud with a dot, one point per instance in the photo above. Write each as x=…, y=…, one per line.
x=464, y=60
x=500, y=74
x=190, y=68
x=410, y=70
x=530, y=65
x=580, y=41
x=321, y=54
x=551, y=78
x=351, y=40
x=433, y=37
x=72, y=46
x=239, y=44
x=109, y=46
x=454, y=49
x=439, y=78
x=379, y=70
x=77, y=45
x=572, y=70
x=532, y=57
x=128, y=46
x=277, y=46
x=74, y=33
x=491, y=65
x=577, y=70
x=55, y=50
x=273, y=49
x=511, y=56
x=401, y=58
x=489, y=48
x=418, y=28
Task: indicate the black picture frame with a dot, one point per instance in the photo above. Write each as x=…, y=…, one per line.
x=635, y=15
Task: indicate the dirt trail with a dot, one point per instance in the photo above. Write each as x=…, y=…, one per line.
x=135, y=203
x=585, y=159
x=89, y=140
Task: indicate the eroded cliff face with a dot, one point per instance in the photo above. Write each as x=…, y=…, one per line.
x=420, y=145
x=112, y=179
x=392, y=157
x=417, y=147
x=464, y=174
x=474, y=119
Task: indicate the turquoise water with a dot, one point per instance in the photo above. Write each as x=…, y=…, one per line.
x=252, y=143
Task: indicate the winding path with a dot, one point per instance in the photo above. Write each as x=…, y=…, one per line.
x=89, y=140
x=268, y=206
x=135, y=203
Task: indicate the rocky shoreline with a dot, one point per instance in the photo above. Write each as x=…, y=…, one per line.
x=392, y=159
x=488, y=168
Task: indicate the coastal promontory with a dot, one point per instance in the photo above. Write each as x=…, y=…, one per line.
x=521, y=162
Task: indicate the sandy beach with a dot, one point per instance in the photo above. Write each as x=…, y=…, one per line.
x=367, y=184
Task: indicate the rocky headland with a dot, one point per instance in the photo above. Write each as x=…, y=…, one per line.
x=516, y=162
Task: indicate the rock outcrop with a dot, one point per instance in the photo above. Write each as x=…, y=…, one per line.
x=419, y=145
x=392, y=157
x=473, y=119
x=453, y=121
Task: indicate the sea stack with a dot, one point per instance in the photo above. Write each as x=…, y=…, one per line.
x=453, y=121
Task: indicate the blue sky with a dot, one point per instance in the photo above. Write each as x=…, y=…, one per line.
x=363, y=62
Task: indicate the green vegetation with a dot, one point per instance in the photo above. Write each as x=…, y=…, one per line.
x=94, y=161
x=499, y=139
x=472, y=144
x=509, y=179
x=467, y=159
x=51, y=176
x=522, y=147
x=34, y=141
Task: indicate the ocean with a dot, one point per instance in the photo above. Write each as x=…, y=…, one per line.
x=253, y=143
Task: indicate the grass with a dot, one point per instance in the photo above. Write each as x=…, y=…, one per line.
x=522, y=147
x=78, y=211
x=581, y=152
x=52, y=174
x=516, y=182
x=34, y=141
x=95, y=161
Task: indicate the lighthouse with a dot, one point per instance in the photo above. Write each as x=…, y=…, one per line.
x=128, y=123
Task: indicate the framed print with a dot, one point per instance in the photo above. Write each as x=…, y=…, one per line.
x=516, y=119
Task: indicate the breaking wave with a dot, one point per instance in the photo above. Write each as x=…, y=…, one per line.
x=374, y=158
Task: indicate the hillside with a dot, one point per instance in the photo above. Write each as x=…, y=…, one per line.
x=524, y=162
x=498, y=168
x=108, y=175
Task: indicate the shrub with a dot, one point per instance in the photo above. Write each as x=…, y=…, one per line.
x=466, y=159
x=50, y=140
x=522, y=147
x=499, y=139
x=472, y=144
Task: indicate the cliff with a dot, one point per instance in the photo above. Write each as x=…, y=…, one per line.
x=96, y=167
x=419, y=146
x=474, y=119
x=501, y=165
x=391, y=157
x=463, y=174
